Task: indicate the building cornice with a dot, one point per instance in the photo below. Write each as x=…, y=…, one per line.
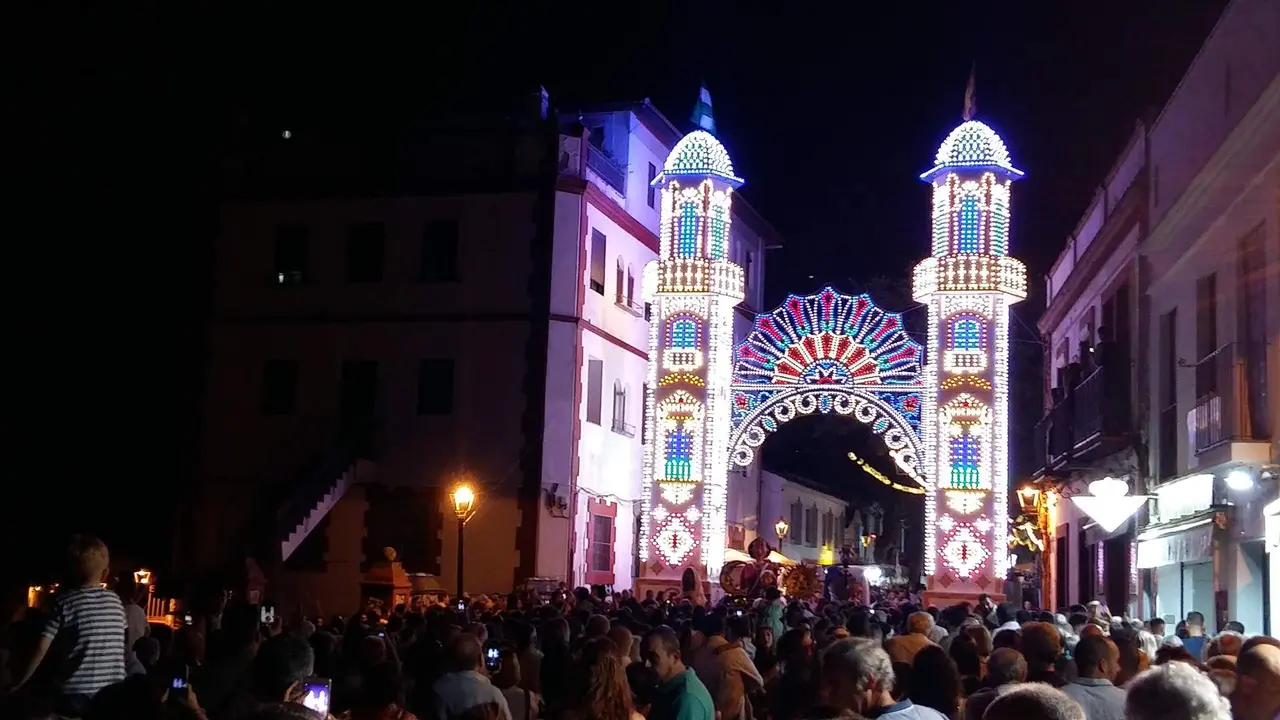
x=1129, y=211
x=1261, y=124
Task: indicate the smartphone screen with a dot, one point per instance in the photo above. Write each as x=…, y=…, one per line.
x=178, y=686
x=316, y=691
x=188, y=619
x=462, y=606
x=267, y=614
x=492, y=657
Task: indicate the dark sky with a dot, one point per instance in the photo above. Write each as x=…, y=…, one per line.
x=829, y=113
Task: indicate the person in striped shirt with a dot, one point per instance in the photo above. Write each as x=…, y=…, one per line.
x=84, y=638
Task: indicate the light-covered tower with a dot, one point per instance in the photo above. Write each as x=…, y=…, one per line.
x=693, y=287
x=968, y=283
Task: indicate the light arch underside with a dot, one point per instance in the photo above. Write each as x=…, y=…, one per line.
x=785, y=403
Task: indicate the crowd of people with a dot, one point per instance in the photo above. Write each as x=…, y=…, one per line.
x=602, y=656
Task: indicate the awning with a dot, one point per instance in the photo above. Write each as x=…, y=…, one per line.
x=1172, y=544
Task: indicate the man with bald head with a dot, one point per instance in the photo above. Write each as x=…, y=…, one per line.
x=903, y=648
x=1097, y=664
x=1257, y=693
x=466, y=685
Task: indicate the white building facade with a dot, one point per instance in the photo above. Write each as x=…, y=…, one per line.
x=378, y=339
x=1213, y=255
x=1092, y=385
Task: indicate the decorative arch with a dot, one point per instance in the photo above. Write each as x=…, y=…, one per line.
x=830, y=353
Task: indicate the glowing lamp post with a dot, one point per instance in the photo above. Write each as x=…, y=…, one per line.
x=464, y=502
x=1109, y=503
x=1029, y=498
x=781, y=527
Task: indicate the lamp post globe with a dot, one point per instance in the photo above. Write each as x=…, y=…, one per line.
x=464, y=502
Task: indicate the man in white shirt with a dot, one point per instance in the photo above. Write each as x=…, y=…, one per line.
x=466, y=686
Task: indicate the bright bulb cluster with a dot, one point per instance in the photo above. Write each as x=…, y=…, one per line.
x=699, y=154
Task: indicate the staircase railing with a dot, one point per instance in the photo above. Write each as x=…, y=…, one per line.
x=353, y=444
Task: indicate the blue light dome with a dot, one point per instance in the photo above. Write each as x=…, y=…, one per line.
x=973, y=145
x=699, y=154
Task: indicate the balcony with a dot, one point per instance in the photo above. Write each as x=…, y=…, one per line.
x=622, y=427
x=1061, y=419
x=600, y=162
x=1232, y=406
x=1101, y=422
x=630, y=305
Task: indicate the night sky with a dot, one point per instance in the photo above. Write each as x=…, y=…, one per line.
x=829, y=115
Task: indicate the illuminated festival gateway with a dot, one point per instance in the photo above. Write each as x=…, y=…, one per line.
x=942, y=416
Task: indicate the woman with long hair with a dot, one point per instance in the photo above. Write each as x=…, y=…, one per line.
x=602, y=689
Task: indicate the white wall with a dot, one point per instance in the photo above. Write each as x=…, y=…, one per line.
x=778, y=495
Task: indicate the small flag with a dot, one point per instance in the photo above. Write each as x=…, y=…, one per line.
x=702, y=116
x=970, y=97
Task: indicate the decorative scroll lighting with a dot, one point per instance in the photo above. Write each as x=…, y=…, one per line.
x=1109, y=503
x=884, y=479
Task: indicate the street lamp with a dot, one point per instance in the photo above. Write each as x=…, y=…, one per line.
x=781, y=527
x=464, y=501
x=1029, y=498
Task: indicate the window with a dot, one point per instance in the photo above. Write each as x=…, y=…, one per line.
x=359, y=392
x=597, y=260
x=619, y=284
x=366, y=247
x=828, y=529
x=964, y=463
x=631, y=288
x=966, y=334
x=279, y=387
x=719, y=232
x=969, y=238
x=1168, y=398
x=435, y=386
x=291, y=254
x=595, y=389
x=839, y=531
x=746, y=272
x=689, y=234
x=620, y=424
x=601, y=543
x=644, y=416
x=679, y=465
x=797, y=522
x=438, y=258
x=811, y=526
x=1251, y=321
x=1206, y=334
x=652, y=198
x=684, y=334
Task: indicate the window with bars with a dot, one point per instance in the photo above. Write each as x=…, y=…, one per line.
x=601, y=543
x=797, y=522
x=811, y=526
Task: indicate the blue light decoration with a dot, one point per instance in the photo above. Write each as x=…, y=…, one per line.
x=970, y=235
x=842, y=339
x=964, y=463
x=684, y=334
x=828, y=339
x=690, y=230
x=966, y=333
x=679, y=464
x=719, y=238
